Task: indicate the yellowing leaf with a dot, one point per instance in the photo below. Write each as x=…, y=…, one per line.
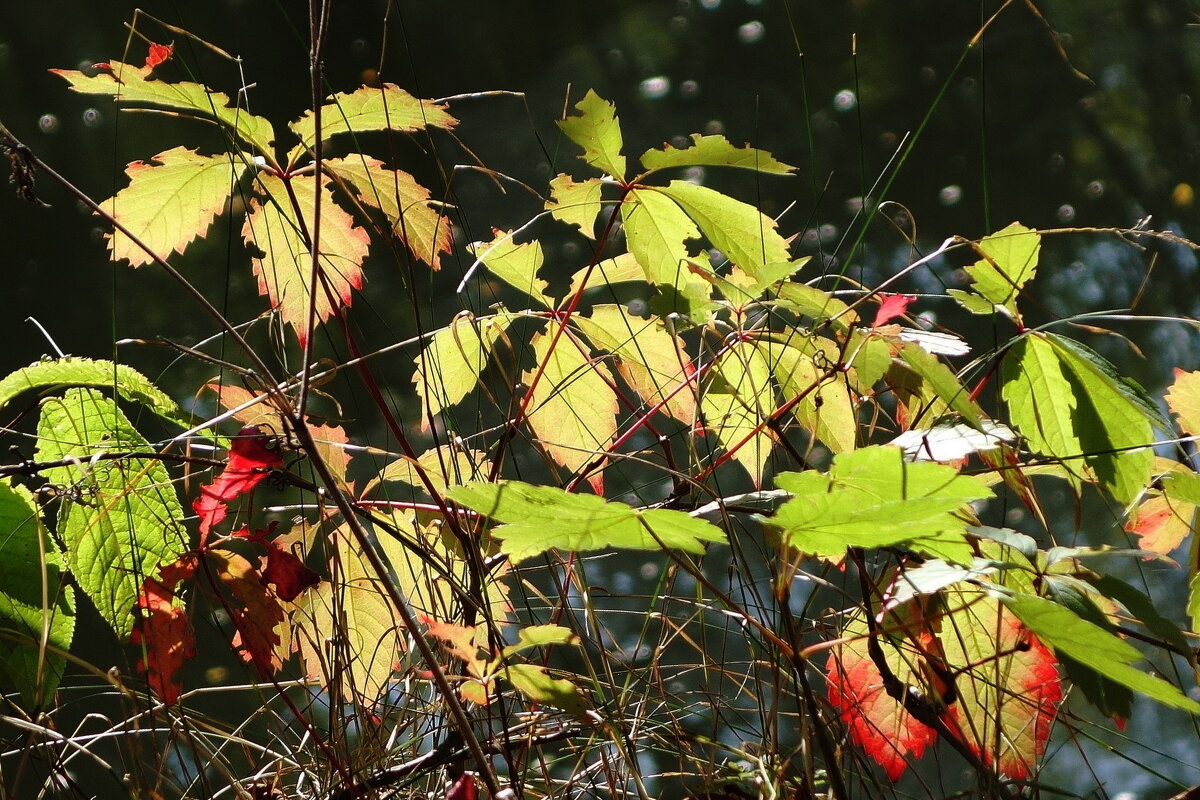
x=826, y=409
x=572, y=407
x=448, y=368
x=363, y=654
x=444, y=466
x=649, y=358
x=715, y=151
x=740, y=231
x=1183, y=398
x=655, y=231
x=515, y=264
x=402, y=200
x=575, y=203
x=285, y=267
x=736, y=404
x=170, y=203
x=1010, y=261
x=598, y=132
x=382, y=108
x=1008, y=688
x=129, y=84
x=622, y=269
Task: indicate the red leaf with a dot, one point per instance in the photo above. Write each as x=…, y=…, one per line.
x=250, y=460
x=163, y=629
x=257, y=614
x=158, y=54
x=877, y=722
x=284, y=568
x=893, y=305
x=463, y=788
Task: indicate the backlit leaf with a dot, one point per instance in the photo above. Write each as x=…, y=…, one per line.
x=37, y=607
x=1011, y=259
x=598, y=132
x=1008, y=688
x=449, y=366
x=941, y=381
x=572, y=407
x=873, y=498
x=402, y=200
x=1041, y=400
x=164, y=630
x=655, y=231
x=120, y=519
x=170, y=202
x=1094, y=648
x=1183, y=398
x=515, y=264
x=575, y=203
x=714, y=151
x=127, y=83
x=541, y=518
x=255, y=611
x=609, y=272
x=386, y=107
x=443, y=466
x=736, y=404
x=826, y=409
x=743, y=233
x=535, y=682
x=49, y=374
x=251, y=458
x=284, y=269
x=532, y=636
x=649, y=358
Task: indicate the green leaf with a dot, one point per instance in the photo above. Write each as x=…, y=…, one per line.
x=402, y=200
x=815, y=303
x=540, y=518
x=714, y=151
x=1041, y=400
x=575, y=203
x=443, y=466
x=1143, y=609
x=1010, y=261
x=598, y=131
x=873, y=498
x=539, y=635
x=387, y=107
x=572, y=407
x=533, y=681
x=649, y=358
x=448, y=368
x=744, y=234
x=284, y=268
x=1113, y=420
x=120, y=518
x=1094, y=648
x=942, y=382
x=655, y=231
x=170, y=203
x=609, y=272
x=515, y=264
x=53, y=374
x=37, y=608
x=972, y=302
x=126, y=83
x=736, y=403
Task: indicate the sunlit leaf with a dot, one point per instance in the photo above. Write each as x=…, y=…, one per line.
x=873, y=498
x=649, y=358
x=127, y=83
x=655, y=231
x=942, y=382
x=743, y=233
x=825, y=409
x=402, y=200
x=515, y=264
x=49, y=374
x=947, y=443
x=714, y=151
x=251, y=458
x=170, y=202
x=541, y=518
x=1011, y=259
x=449, y=366
x=283, y=238
x=37, y=607
x=120, y=519
x=255, y=612
x=737, y=402
x=575, y=203
x=572, y=407
x=1095, y=648
x=609, y=272
x=164, y=631
x=1183, y=398
x=532, y=636
x=442, y=466
x=535, y=682
x=1041, y=400
x=598, y=132
x=386, y=107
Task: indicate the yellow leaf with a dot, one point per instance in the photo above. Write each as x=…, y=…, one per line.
x=575, y=203
x=284, y=269
x=573, y=409
x=382, y=108
x=736, y=404
x=170, y=202
x=1183, y=398
x=448, y=368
